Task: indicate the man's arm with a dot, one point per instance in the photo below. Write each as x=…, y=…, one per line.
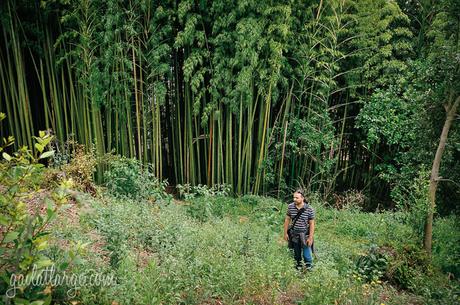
x=287, y=220
x=311, y=223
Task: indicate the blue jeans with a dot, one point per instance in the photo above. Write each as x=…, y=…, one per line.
x=305, y=251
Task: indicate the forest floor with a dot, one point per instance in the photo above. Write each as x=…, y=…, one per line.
x=222, y=250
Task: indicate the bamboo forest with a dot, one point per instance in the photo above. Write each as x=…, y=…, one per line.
x=153, y=152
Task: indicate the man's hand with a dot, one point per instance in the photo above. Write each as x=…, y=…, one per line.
x=287, y=220
x=311, y=223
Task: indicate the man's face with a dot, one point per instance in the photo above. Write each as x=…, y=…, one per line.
x=297, y=198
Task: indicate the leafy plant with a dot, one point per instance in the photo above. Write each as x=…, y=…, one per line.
x=408, y=268
x=24, y=234
x=187, y=191
x=446, y=246
x=127, y=177
x=371, y=267
x=81, y=168
x=349, y=200
x=413, y=200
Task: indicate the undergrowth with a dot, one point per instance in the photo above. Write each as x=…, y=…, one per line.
x=217, y=249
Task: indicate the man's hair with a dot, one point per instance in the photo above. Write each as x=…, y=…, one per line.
x=301, y=192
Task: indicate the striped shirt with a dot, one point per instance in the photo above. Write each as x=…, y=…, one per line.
x=301, y=223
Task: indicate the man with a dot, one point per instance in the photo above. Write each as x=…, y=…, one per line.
x=303, y=229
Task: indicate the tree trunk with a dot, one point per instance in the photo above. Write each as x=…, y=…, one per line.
x=451, y=111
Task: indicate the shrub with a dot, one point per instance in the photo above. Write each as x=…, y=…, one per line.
x=161, y=255
x=81, y=168
x=405, y=268
x=187, y=262
x=408, y=266
x=413, y=200
x=128, y=178
x=371, y=267
x=349, y=200
x=187, y=191
x=72, y=161
x=24, y=233
x=446, y=244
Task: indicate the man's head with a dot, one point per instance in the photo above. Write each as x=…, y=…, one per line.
x=298, y=196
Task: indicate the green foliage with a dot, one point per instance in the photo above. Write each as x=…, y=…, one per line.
x=446, y=249
x=25, y=233
x=303, y=137
x=371, y=267
x=408, y=266
x=262, y=96
x=128, y=178
x=443, y=49
x=404, y=118
x=263, y=210
x=162, y=254
x=177, y=249
x=81, y=168
x=383, y=43
x=414, y=201
x=188, y=191
x=389, y=117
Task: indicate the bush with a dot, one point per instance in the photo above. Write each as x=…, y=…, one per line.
x=187, y=191
x=81, y=168
x=349, y=200
x=414, y=201
x=372, y=266
x=446, y=244
x=128, y=178
x=408, y=266
x=24, y=232
x=159, y=254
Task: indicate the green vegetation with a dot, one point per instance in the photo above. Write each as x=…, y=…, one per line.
x=128, y=178
x=24, y=237
x=211, y=248
x=261, y=96
x=170, y=133
x=221, y=249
